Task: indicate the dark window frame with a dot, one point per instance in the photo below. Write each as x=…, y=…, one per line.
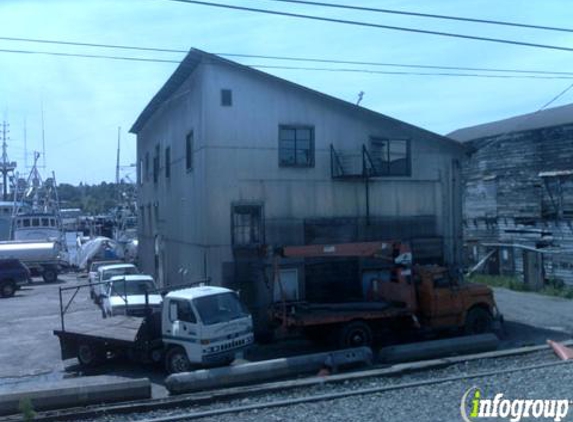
x=252, y=227
x=156, y=164
x=386, y=170
x=189, y=153
x=147, y=166
x=311, y=149
x=167, y=162
x=140, y=174
x=226, y=97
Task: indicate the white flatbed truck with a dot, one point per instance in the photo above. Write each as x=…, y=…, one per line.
x=195, y=327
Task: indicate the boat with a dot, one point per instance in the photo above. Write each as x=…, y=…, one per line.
x=36, y=210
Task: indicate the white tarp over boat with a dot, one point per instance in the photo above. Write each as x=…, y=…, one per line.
x=99, y=248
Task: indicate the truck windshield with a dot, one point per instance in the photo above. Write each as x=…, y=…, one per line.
x=219, y=308
x=118, y=271
x=132, y=287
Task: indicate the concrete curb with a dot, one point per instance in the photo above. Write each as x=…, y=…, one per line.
x=76, y=392
x=257, y=372
x=439, y=348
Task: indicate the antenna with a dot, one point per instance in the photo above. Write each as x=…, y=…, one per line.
x=43, y=140
x=360, y=96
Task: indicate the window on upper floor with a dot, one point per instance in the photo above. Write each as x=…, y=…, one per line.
x=296, y=146
x=167, y=162
x=156, y=164
x=147, y=166
x=247, y=225
x=390, y=157
x=226, y=97
x=189, y=151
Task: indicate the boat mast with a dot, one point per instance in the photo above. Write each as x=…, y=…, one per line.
x=6, y=166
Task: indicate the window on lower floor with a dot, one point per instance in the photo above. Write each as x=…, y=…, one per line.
x=247, y=225
x=296, y=146
x=390, y=157
x=142, y=218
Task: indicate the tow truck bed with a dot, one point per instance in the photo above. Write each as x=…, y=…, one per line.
x=304, y=314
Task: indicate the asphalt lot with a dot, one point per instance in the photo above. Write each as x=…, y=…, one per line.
x=30, y=353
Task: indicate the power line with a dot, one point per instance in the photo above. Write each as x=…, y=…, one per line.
x=267, y=57
x=84, y=44
x=528, y=118
x=406, y=65
x=385, y=72
x=258, y=66
x=374, y=25
x=90, y=56
x=427, y=15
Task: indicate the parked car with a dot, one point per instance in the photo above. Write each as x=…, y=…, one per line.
x=93, y=274
x=126, y=295
x=106, y=272
x=13, y=274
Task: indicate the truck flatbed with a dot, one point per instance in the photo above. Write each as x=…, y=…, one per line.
x=119, y=328
x=118, y=334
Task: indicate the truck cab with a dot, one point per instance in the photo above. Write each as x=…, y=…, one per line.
x=204, y=326
x=446, y=301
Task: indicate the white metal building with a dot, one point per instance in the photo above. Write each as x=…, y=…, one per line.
x=231, y=159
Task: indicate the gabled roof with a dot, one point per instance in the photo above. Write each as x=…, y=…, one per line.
x=195, y=57
x=555, y=116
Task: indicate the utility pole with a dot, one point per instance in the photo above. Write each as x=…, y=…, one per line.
x=5, y=166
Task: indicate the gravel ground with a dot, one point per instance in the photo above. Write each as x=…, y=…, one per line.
x=439, y=402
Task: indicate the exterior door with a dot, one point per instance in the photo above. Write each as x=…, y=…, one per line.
x=183, y=322
x=447, y=303
x=533, y=269
x=289, y=282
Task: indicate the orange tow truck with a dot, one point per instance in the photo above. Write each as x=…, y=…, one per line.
x=397, y=296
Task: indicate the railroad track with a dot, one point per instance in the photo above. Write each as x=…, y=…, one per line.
x=228, y=401
x=184, y=416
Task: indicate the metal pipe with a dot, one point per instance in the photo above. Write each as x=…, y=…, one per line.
x=62, y=311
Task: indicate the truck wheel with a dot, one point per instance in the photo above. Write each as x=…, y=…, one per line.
x=355, y=334
x=176, y=361
x=7, y=289
x=478, y=321
x=50, y=275
x=90, y=355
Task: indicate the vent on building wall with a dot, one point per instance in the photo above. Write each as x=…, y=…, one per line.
x=226, y=97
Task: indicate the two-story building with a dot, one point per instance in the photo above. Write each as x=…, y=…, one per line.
x=231, y=159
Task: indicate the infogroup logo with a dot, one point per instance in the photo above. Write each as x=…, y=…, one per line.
x=474, y=407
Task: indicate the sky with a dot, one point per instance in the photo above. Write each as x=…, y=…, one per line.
x=86, y=100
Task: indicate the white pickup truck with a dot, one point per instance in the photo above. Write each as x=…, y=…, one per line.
x=130, y=295
x=197, y=326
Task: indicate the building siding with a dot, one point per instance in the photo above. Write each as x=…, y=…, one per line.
x=507, y=199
